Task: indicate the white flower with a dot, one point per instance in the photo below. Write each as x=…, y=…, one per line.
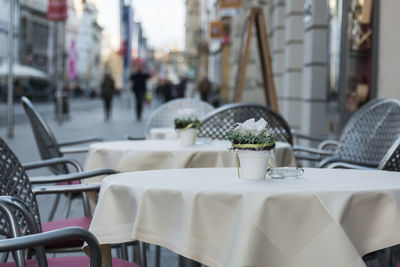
x=186, y=113
x=251, y=126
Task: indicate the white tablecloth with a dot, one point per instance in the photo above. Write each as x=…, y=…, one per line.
x=162, y=134
x=125, y=156
x=324, y=218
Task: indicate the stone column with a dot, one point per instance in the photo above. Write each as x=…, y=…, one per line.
x=293, y=63
x=314, y=118
x=277, y=46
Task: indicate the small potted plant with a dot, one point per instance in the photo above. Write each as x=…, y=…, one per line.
x=253, y=142
x=187, y=124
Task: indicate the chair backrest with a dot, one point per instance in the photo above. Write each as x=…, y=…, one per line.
x=15, y=182
x=45, y=139
x=217, y=123
x=373, y=131
x=354, y=119
x=391, y=161
x=165, y=114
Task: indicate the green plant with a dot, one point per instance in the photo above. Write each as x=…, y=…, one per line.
x=262, y=141
x=187, y=123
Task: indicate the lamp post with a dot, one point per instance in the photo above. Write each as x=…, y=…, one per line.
x=10, y=96
x=57, y=12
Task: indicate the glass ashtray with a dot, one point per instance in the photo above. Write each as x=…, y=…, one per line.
x=283, y=172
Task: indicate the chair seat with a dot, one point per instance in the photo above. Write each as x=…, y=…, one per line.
x=71, y=261
x=83, y=222
x=72, y=182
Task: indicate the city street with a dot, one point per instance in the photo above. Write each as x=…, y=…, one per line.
x=86, y=118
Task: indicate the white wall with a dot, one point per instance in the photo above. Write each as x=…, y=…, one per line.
x=389, y=56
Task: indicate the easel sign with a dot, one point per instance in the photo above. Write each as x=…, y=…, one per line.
x=257, y=18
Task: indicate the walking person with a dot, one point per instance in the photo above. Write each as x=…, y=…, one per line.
x=205, y=88
x=107, y=92
x=139, y=80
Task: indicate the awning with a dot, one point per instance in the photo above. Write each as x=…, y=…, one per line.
x=22, y=71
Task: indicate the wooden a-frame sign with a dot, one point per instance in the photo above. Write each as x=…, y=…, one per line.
x=256, y=17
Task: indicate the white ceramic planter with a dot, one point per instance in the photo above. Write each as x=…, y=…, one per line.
x=253, y=164
x=188, y=137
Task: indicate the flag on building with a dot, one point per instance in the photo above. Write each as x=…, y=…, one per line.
x=57, y=10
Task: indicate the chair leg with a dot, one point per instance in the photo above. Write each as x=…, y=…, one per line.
x=157, y=256
x=185, y=262
x=143, y=254
x=54, y=208
x=85, y=201
x=67, y=206
x=124, y=252
x=136, y=253
x=4, y=257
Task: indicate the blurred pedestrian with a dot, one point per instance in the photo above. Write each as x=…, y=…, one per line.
x=166, y=88
x=139, y=80
x=204, y=88
x=181, y=87
x=107, y=92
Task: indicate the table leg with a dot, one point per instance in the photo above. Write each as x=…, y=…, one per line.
x=106, y=260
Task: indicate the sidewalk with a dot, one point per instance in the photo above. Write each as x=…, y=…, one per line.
x=86, y=118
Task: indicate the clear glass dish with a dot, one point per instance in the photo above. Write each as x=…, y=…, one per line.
x=283, y=172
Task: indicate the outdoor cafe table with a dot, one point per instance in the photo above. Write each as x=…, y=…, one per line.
x=125, y=156
x=327, y=217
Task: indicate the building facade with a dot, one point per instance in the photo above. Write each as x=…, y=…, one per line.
x=303, y=57
x=4, y=24
x=34, y=34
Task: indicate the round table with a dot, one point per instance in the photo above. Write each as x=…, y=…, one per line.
x=327, y=217
x=162, y=134
x=125, y=156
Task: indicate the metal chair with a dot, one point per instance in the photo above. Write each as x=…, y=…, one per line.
x=390, y=161
x=325, y=147
x=50, y=148
x=165, y=114
x=331, y=144
x=15, y=215
x=15, y=182
x=217, y=123
x=365, y=139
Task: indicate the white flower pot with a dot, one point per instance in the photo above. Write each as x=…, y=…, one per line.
x=188, y=136
x=253, y=164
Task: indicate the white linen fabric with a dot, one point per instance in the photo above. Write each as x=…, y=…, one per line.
x=162, y=134
x=125, y=156
x=327, y=217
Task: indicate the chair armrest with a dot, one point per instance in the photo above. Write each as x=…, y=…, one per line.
x=60, y=189
x=311, y=150
x=70, y=177
x=307, y=137
x=345, y=165
x=80, y=141
x=329, y=143
x=53, y=161
x=308, y=157
x=71, y=150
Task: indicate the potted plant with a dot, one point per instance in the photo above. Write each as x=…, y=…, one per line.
x=253, y=142
x=187, y=124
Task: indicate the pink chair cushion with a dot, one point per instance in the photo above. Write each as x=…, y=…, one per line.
x=71, y=261
x=83, y=222
x=72, y=182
